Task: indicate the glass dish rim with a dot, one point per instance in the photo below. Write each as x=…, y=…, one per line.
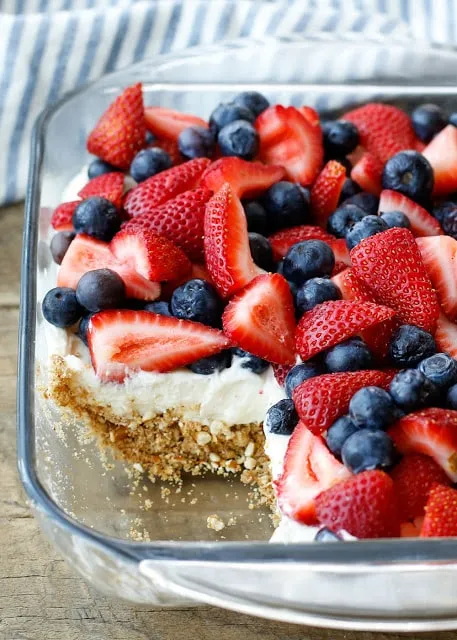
x=352, y=557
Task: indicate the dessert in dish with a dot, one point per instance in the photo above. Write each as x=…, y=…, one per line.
x=273, y=295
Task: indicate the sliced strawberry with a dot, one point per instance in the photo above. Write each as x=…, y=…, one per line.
x=151, y=255
x=333, y=322
x=367, y=173
x=283, y=240
x=446, y=335
x=108, y=185
x=287, y=138
x=164, y=186
x=432, y=432
x=422, y=223
x=321, y=400
x=439, y=254
x=247, y=179
x=226, y=241
x=351, y=287
x=168, y=123
x=62, y=217
x=86, y=254
x=341, y=253
x=326, y=191
x=171, y=147
x=364, y=506
x=309, y=468
x=390, y=265
x=413, y=478
x=261, y=319
x=440, y=513
x=310, y=114
x=181, y=220
x=441, y=152
x=384, y=129
x=280, y=372
x=121, y=131
x=124, y=341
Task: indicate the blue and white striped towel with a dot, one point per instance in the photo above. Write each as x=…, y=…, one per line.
x=48, y=47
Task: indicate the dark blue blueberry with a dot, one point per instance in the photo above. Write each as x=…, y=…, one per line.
x=325, y=535
x=159, y=306
x=261, y=251
x=287, y=204
x=99, y=167
x=428, y=120
x=340, y=137
x=365, y=201
x=350, y=355
x=453, y=119
x=149, y=162
x=366, y=450
x=250, y=361
x=83, y=327
x=281, y=418
x=410, y=173
x=315, y=291
x=252, y=100
x=338, y=433
x=101, y=289
x=196, y=142
x=350, y=188
x=396, y=219
x=97, y=217
x=226, y=113
x=197, y=300
x=451, y=396
x=446, y=214
x=300, y=373
x=256, y=217
x=410, y=345
x=149, y=138
x=365, y=228
x=411, y=390
x=306, y=260
x=59, y=245
x=344, y=218
x=240, y=139
x=441, y=369
x=61, y=308
x=373, y=408
x=207, y=366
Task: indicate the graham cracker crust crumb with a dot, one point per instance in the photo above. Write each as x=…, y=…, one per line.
x=215, y=522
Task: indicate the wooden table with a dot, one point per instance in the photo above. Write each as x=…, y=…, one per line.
x=40, y=597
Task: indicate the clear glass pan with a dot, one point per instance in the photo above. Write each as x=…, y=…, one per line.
x=88, y=510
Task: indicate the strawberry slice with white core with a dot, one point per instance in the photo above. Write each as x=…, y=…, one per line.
x=326, y=191
x=439, y=254
x=441, y=152
x=367, y=173
x=247, y=179
x=422, y=223
x=432, y=432
x=261, y=319
x=168, y=123
x=126, y=341
x=227, y=253
x=446, y=335
x=309, y=469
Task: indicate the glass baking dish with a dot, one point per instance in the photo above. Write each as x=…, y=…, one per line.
x=88, y=508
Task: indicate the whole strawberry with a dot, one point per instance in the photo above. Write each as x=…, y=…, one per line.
x=440, y=513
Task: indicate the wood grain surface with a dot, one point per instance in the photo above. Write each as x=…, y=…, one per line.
x=40, y=597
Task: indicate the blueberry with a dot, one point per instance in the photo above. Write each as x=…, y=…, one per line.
x=207, y=366
x=453, y=119
x=99, y=167
x=396, y=219
x=441, y=369
x=366, y=450
x=451, y=397
x=300, y=373
x=59, y=245
x=350, y=355
x=83, y=327
x=101, y=289
x=240, y=139
x=373, y=408
x=250, y=361
x=344, y=218
x=365, y=228
x=446, y=214
x=340, y=137
x=256, y=217
x=306, y=260
x=226, y=113
x=253, y=101
x=159, y=306
x=61, y=308
x=338, y=433
x=410, y=173
x=261, y=251
x=325, y=535
x=411, y=390
x=350, y=188
x=427, y=121
x=287, y=204
x=197, y=300
x=149, y=162
x=410, y=345
x=196, y=142
x=97, y=217
x=149, y=138
x=365, y=201
x=281, y=418
x=315, y=291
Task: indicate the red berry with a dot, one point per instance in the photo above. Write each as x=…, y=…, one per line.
x=108, y=185
x=441, y=152
x=168, y=123
x=247, y=179
x=283, y=240
x=62, y=217
x=326, y=191
x=440, y=513
x=422, y=223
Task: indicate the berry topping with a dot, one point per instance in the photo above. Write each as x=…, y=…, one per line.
x=239, y=139
x=282, y=241
x=61, y=308
x=441, y=153
x=287, y=204
x=446, y=336
x=149, y=162
x=159, y=306
x=306, y=260
x=344, y=218
x=226, y=113
x=365, y=201
x=256, y=217
x=410, y=345
x=281, y=418
x=367, y=172
x=439, y=255
x=373, y=408
x=440, y=369
x=396, y=219
x=350, y=355
x=411, y=390
x=59, y=245
x=247, y=179
x=428, y=120
x=109, y=186
x=314, y=292
x=250, y=361
x=300, y=373
x=196, y=142
x=100, y=289
x=168, y=124
x=211, y=364
x=325, y=535
x=410, y=173
x=261, y=251
x=421, y=222
x=451, y=397
x=440, y=513
x=252, y=100
x=98, y=167
x=338, y=433
x=446, y=214
x=340, y=137
x=350, y=188
x=368, y=449
x=326, y=191
x=197, y=300
x=62, y=217
x=365, y=228
x=97, y=217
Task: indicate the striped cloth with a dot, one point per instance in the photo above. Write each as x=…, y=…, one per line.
x=49, y=47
